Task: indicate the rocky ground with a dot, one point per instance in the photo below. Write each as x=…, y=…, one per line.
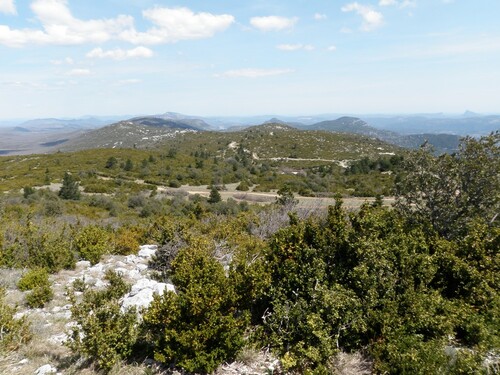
x=47, y=353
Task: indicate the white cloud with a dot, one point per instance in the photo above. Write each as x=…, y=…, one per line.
x=408, y=4
x=59, y=26
x=385, y=3
x=7, y=7
x=289, y=47
x=295, y=47
x=67, y=60
x=254, y=73
x=175, y=24
x=320, y=16
x=331, y=48
x=273, y=23
x=120, y=54
x=401, y=4
x=371, y=18
x=78, y=72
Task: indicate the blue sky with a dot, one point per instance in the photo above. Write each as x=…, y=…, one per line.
x=68, y=58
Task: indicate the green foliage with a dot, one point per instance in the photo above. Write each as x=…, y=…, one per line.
x=111, y=162
x=198, y=327
x=39, y=296
x=92, y=242
x=36, y=277
x=27, y=191
x=214, y=196
x=128, y=166
x=286, y=197
x=371, y=280
x=13, y=332
x=104, y=333
x=36, y=280
x=126, y=241
x=70, y=189
x=42, y=246
x=243, y=186
x=451, y=190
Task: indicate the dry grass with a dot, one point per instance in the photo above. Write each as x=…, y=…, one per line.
x=351, y=364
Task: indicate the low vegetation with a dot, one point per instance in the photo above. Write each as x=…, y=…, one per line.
x=406, y=289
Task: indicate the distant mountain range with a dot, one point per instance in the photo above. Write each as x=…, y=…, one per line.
x=441, y=142
x=48, y=135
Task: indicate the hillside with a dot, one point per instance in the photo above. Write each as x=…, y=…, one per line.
x=441, y=142
x=139, y=132
x=268, y=141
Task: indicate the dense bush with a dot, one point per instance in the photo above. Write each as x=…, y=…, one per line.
x=372, y=280
x=103, y=333
x=91, y=242
x=36, y=277
x=13, y=332
x=199, y=327
x=36, y=280
x=39, y=296
x=452, y=190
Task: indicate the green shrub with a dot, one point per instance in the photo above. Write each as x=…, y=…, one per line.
x=243, y=186
x=13, y=332
x=174, y=184
x=70, y=189
x=370, y=280
x=37, y=277
x=199, y=327
x=91, y=243
x=104, y=333
x=27, y=191
x=36, y=280
x=39, y=296
x=126, y=241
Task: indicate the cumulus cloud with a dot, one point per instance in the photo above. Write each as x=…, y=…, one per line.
x=331, y=48
x=254, y=73
x=371, y=18
x=295, y=47
x=7, y=7
x=273, y=23
x=78, y=72
x=401, y=4
x=59, y=26
x=408, y=4
x=120, y=54
x=175, y=24
x=320, y=16
x=385, y=3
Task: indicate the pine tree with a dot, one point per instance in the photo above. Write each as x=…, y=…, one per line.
x=70, y=188
x=214, y=196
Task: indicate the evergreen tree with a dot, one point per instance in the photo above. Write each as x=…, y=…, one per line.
x=128, y=165
x=70, y=188
x=214, y=195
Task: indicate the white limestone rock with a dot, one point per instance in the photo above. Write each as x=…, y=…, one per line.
x=45, y=369
x=147, y=251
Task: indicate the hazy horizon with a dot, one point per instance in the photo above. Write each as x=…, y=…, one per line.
x=18, y=121
x=63, y=58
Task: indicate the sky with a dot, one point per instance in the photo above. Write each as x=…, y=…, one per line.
x=71, y=58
